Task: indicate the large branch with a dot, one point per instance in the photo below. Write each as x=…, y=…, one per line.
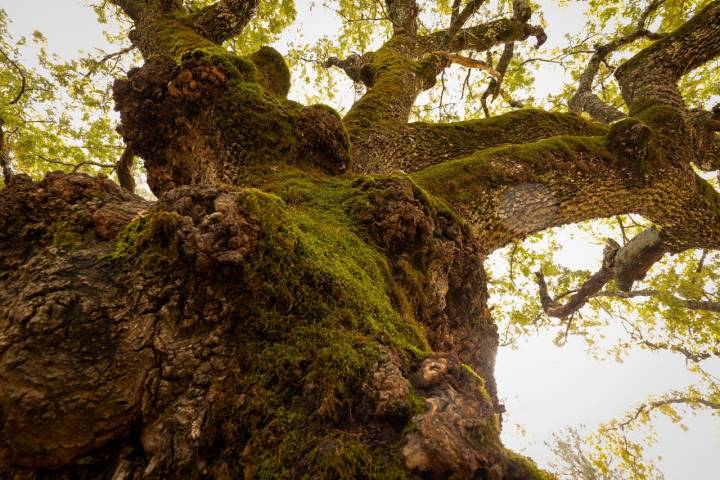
x=515, y=190
x=512, y=191
x=650, y=77
x=483, y=37
x=413, y=146
x=224, y=19
x=584, y=99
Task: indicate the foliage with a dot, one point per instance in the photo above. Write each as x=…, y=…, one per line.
x=63, y=119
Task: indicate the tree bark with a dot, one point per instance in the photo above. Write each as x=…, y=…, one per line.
x=277, y=313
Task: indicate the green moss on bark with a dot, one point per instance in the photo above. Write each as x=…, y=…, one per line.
x=462, y=180
x=314, y=310
x=148, y=241
x=523, y=468
x=66, y=237
x=273, y=72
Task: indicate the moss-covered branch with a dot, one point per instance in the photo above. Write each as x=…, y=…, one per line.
x=485, y=36
x=414, y=146
x=509, y=192
x=397, y=77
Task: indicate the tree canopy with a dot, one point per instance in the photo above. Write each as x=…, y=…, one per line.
x=444, y=91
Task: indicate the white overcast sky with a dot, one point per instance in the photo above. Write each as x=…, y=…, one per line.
x=545, y=388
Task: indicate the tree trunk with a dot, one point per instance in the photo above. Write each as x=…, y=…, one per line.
x=329, y=329
x=275, y=314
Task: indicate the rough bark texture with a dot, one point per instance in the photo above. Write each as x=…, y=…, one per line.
x=277, y=313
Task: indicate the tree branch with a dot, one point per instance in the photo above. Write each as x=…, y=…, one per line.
x=646, y=408
x=355, y=66
x=626, y=265
x=515, y=190
x=403, y=15
x=460, y=17
x=224, y=19
x=494, y=87
x=584, y=100
x=485, y=36
x=23, y=79
x=412, y=147
x=470, y=63
x=77, y=166
x=124, y=170
x=97, y=63
x=633, y=261
x=593, y=285
x=696, y=357
x=650, y=77
x=701, y=305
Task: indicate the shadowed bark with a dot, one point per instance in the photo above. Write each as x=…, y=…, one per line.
x=277, y=313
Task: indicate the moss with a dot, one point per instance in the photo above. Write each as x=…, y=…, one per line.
x=234, y=66
x=273, y=72
x=416, y=404
x=315, y=313
x=349, y=459
x=265, y=129
x=66, y=237
x=337, y=456
x=178, y=37
x=523, y=468
x=181, y=41
x=461, y=180
x=387, y=100
x=148, y=241
x=662, y=120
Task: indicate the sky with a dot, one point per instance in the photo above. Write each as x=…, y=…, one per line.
x=545, y=388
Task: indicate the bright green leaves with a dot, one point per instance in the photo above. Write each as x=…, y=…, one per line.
x=63, y=121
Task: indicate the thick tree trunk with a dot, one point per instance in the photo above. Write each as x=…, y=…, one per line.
x=329, y=329
x=277, y=315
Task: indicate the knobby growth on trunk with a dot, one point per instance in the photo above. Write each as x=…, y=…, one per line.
x=307, y=297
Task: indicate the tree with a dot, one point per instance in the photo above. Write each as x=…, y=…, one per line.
x=307, y=297
x=56, y=116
